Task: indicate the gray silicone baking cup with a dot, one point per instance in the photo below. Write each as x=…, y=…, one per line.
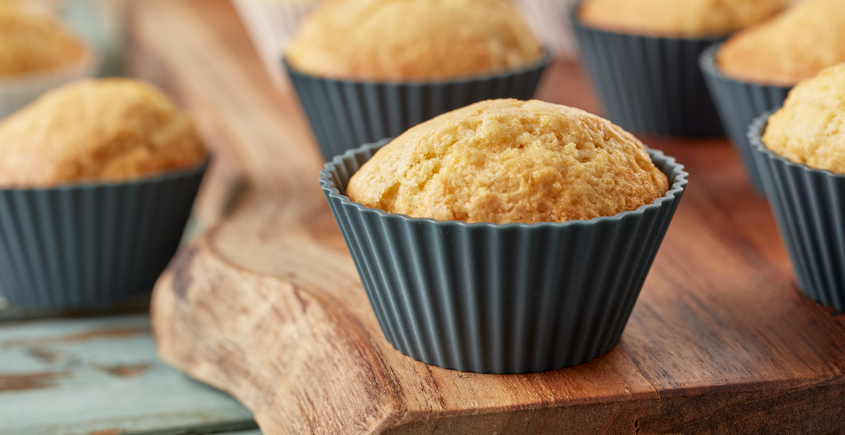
x=491, y=298
x=91, y=245
x=649, y=84
x=809, y=206
x=344, y=113
x=739, y=103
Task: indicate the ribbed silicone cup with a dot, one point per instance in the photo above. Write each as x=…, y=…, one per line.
x=739, y=103
x=91, y=245
x=491, y=298
x=649, y=84
x=345, y=114
x=809, y=206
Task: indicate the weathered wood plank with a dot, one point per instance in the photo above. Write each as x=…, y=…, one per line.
x=101, y=375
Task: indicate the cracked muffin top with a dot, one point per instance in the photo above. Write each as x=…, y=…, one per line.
x=32, y=43
x=505, y=161
x=791, y=47
x=677, y=18
x=413, y=40
x=810, y=128
x=96, y=130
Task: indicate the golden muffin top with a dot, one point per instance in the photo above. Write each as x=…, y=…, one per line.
x=810, y=128
x=505, y=161
x=32, y=43
x=677, y=18
x=413, y=40
x=791, y=47
x=96, y=130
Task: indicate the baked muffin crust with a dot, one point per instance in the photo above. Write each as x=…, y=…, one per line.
x=96, y=130
x=678, y=18
x=791, y=47
x=32, y=43
x=505, y=161
x=413, y=40
x=810, y=128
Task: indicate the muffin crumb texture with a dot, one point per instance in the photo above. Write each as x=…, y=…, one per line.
x=506, y=161
x=96, y=130
x=410, y=40
x=678, y=18
x=810, y=128
x=32, y=43
x=791, y=47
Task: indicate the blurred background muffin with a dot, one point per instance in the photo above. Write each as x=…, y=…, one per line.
x=642, y=57
x=272, y=25
x=413, y=40
x=36, y=54
x=755, y=69
x=96, y=130
x=369, y=69
x=547, y=221
x=33, y=43
x=677, y=18
x=789, y=48
x=800, y=152
x=97, y=180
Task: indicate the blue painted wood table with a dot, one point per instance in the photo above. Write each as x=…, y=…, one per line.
x=100, y=375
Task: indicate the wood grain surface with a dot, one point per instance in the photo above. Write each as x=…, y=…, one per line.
x=268, y=305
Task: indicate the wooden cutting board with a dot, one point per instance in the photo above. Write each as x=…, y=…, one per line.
x=268, y=306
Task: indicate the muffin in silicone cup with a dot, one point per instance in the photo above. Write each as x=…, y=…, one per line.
x=272, y=25
x=799, y=152
x=544, y=18
x=547, y=281
x=365, y=70
x=755, y=69
x=642, y=57
x=37, y=53
x=97, y=180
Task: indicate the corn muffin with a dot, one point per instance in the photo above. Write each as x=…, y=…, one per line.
x=810, y=128
x=677, y=18
x=791, y=47
x=505, y=161
x=96, y=130
x=33, y=43
x=413, y=40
